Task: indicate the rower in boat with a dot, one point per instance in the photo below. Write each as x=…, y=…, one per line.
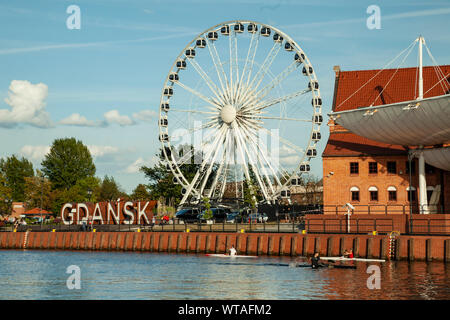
x=233, y=251
x=348, y=254
x=315, y=261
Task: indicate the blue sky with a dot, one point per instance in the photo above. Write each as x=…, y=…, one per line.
x=113, y=68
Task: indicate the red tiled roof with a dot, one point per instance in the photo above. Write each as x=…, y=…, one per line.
x=350, y=144
x=36, y=211
x=402, y=87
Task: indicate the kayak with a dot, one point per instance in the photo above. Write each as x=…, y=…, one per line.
x=297, y=265
x=351, y=259
x=220, y=255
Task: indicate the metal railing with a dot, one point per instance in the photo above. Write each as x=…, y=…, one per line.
x=279, y=225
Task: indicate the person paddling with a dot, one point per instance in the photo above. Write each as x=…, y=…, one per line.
x=348, y=254
x=233, y=251
x=315, y=261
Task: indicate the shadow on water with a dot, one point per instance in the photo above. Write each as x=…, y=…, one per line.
x=38, y=274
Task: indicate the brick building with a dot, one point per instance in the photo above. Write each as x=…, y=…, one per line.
x=374, y=176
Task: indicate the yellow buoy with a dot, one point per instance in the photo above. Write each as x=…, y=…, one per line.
x=242, y=231
x=187, y=230
x=138, y=230
x=303, y=231
x=93, y=230
x=53, y=230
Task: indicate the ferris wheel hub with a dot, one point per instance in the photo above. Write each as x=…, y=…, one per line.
x=228, y=114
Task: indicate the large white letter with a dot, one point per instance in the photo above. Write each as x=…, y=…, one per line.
x=116, y=217
x=74, y=20
x=142, y=213
x=86, y=209
x=128, y=212
x=98, y=217
x=67, y=205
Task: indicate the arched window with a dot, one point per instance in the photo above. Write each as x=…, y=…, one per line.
x=392, y=193
x=354, y=191
x=373, y=192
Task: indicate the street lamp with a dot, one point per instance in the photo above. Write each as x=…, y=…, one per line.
x=89, y=192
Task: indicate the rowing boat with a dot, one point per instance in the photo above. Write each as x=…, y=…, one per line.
x=221, y=255
x=297, y=265
x=351, y=259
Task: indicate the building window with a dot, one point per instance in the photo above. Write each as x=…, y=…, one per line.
x=355, y=193
x=392, y=167
x=392, y=195
x=373, y=193
x=413, y=167
x=354, y=168
x=373, y=167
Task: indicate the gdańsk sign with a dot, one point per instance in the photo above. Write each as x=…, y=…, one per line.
x=119, y=212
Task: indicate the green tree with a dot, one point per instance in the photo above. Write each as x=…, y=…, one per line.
x=162, y=180
x=252, y=195
x=15, y=171
x=140, y=193
x=109, y=190
x=5, y=196
x=208, y=215
x=38, y=192
x=67, y=162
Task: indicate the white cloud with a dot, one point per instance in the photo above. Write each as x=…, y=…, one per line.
x=290, y=160
x=145, y=115
x=113, y=116
x=100, y=151
x=37, y=153
x=76, y=119
x=110, y=117
x=135, y=166
x=34, y=153
x=27, y=103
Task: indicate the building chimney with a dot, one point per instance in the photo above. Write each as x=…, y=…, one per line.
x=337, y=70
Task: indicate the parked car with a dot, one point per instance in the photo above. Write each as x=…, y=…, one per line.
x=237, y=217
x=188, y=215
x=219, y=214
x=257, y=217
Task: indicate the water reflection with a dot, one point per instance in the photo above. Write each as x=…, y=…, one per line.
x=123, y=275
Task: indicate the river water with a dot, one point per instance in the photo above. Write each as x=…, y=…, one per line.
x=125, y=275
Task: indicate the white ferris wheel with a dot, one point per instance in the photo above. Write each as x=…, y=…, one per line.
x=244, y=97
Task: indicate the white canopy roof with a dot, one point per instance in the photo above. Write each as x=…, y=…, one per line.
x=438, y=157
x=410, y=123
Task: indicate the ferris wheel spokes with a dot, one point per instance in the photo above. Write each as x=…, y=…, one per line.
x=210, y=101
x=212, y=86
x=219, y=69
